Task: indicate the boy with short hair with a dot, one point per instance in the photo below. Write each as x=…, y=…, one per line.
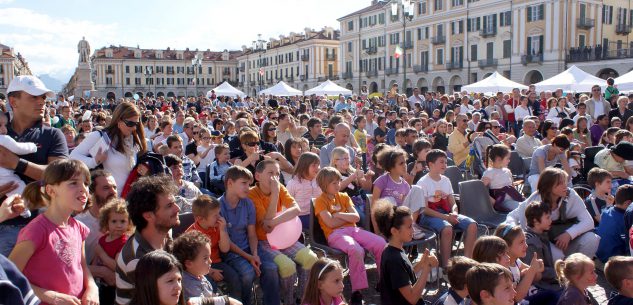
x=269, y=190
x=600, y=181
x=613, y=234
x=219, y=166
x=193, y=249
x=206, y=212
x=239, y=212
x=441, y=213
x=618, y=273
x=539, y=221
x=456, y=270
x=490, y=284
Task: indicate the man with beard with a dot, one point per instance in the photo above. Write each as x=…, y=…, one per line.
x=102, y=188
x=153, y=210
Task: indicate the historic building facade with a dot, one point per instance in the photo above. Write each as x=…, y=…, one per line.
x=12, y=64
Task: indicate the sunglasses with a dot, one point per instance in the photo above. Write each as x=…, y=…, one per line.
x=196, y=132
x=274, y=118
x=130, y=123
x=252, y=144
x=272, y=129
x=496, y=126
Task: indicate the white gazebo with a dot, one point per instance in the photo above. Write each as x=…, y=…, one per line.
x=328, y=87
x=625, y=82
x=571, y=80
x=225, y=89
x=281, y=89
x=493, y=84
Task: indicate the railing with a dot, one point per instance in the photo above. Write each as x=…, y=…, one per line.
x=390, y=71
x=242, y=69
x=438, y=39
x=408, y=45
x=240, y=84
x=371, y=73
x=585, y=23
x=489, y=62
x=305, y=57
x=303, y=77
x=623, y=29
x=109, y=71
x=334, y=77
x=371, y=50
x=348, y=75
x=420, y=68
x=321, y=79
x=251, y=83
x=454, y=65
x=488, y=32
x=225, y=73
x=330, y=57
x=530, y=59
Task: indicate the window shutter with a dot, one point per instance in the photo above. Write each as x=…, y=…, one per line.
x=494, y=21
x=529, y=45
x=478, y=24
x=485, y=21
x=541, y=12
x=529, y=14
x=468, y=28
x=540, y=44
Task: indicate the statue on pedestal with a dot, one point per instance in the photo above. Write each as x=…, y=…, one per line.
x=84, y=50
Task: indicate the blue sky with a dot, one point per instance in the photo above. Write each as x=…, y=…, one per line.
x=47, y=32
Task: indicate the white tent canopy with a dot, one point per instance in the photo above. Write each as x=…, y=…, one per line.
x=625, y=82
x=571, y=80
x=328, y=88
x=225, y=89
x=281, y=89
x=493, y=83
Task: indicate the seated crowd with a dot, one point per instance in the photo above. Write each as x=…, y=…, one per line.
x=175, y=200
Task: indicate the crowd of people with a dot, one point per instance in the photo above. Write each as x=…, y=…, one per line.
x=94, y=192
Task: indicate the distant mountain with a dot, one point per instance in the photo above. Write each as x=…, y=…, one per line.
x=51, y=83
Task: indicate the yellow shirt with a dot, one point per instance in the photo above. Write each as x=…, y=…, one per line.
x=261, y=202
x=341, y=203
x=456, y=146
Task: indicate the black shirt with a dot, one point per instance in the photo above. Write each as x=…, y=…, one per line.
x=396, y=272
x=620, y=300
x=191, y=148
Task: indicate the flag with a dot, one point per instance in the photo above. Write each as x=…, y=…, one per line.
x=261, y=71
x=398, y=52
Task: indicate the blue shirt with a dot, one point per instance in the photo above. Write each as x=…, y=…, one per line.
x=237, y=220
x=612, y=234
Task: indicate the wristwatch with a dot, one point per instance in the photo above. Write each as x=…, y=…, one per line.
x=21, y=167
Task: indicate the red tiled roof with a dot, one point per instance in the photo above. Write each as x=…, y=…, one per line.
x=168, y=54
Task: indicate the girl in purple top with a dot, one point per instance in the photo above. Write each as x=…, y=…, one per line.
x=50, y=249
x=392, y=184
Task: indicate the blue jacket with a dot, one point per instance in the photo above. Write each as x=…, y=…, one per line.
x=612, y=234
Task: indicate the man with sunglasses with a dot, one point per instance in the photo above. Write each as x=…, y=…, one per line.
x=597, y=105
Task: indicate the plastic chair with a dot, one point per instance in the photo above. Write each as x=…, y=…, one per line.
x=318, y=240
x=590, y=155
x=516, y=166
x=476, y=204
x=454, y=174
x=186, y=220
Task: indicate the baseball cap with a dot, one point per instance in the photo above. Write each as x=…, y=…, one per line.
x=31, y=85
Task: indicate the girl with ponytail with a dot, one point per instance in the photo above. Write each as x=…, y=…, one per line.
x=498, y=178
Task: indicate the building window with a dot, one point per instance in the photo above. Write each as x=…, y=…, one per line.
x=457, y=2
x=350, y=25
x=473, y=24
x=127, y=69
x=381, y=18
x=507, y=48
x=535, y=44
x=622, y=15
x=505, y=18
x=473, y=52
x=581, y=41
x=440, y=56
x=535, y=12
x=439, y=5
x=607, y=14
x=422, y=7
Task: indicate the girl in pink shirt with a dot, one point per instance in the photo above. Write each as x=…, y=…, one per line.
x=50, y=249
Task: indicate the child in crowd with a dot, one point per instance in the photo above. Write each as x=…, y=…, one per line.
x=218, y=168
x=440, y=212
x=539, y=221
x=325, y=284
x=456, y=270
x=618, y=273
x=612, y=231
x=360, y=135
x=391, y=184
x=398, y=283
x=303, y=186
x=491, y=249
x=576, y=273
x=614, y=160
x=574, y=159
x=115, y=223
x=498, y=178
x=337, y=218
x=600, y=198
x=187, y=191
x=158, y=280
x=206, y=213
x=417, y=168
x=355, y=181
x=51, y=246
x=440, y=137
x=193, y=251
x=273, y=206
x=490, y=284
x=18, y=148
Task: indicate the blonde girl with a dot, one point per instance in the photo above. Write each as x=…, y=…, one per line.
x=303, y=187
x=577, y=272
x=355, y=182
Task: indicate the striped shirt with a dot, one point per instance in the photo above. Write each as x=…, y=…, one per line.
x=132, y=251
x=319, y=142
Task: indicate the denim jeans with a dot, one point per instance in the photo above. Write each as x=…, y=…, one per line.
x=231, y=278
x=269, y=278
x=8, y=238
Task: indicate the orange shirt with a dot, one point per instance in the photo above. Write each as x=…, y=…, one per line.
x=214, y=235
x=341, y=203
x=261, y=202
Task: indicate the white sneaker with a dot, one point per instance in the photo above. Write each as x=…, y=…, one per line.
x=418, y=233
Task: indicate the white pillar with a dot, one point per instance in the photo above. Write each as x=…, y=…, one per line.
x=548, y=28
x=516, y=36
x=447, y=49
x=522, y=35
x=572, y=23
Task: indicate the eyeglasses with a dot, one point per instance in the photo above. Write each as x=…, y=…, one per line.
x=206, y=138
x=252, y=144
x=488, y=127
x=272, y=129
x=464, y=121
x=196, y=132
x=130, y=123
x=496, y=126
x=596, y=90
x=274, y=118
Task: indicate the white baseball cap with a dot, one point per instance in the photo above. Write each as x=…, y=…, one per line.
x=31, y=85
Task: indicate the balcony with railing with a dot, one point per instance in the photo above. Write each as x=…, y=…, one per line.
x=585, y=23
x=330, y=57
x=408, y=45
x=421, y=68
x=440, y=39
x=454, y=65
x=109, y=71
x=226, y=73
x=371, y=73
x=488, y=32
x=488, y=62
x=290, y=79
x=305, y=57
x=242, y=68
x=532, y=59
x=334, y=77
x=348, y=75
x=623, y=29
x=240, y=84
x=321, y=79
x=390, y=71
x=251, y=83
x=303, y=77
x=371, y=50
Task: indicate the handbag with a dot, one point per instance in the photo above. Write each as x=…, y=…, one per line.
x=563, y=223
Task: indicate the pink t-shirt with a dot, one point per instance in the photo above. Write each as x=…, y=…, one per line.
x=397, y=190
x=56, y=262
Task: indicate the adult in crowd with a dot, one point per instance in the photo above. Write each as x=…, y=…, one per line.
x=549, y=155
x=314, y=135
x=597, y=105
x=415, y=98
x=622, y=112
x=342, y=133
x=596, y=131
x=153, y=210
x=574, y=231
x=527, y=143
x=117, y=146
x=458, y=143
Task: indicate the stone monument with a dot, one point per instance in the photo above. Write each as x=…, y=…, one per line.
x=85, y=86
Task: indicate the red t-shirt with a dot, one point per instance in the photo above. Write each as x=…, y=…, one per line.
x=113, y=247
x=214, y=235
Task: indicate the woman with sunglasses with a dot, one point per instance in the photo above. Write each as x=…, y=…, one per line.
x=269, y=133
x=116, y=146
x=549, y=131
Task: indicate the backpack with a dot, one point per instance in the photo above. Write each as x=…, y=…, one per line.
x=155, y=164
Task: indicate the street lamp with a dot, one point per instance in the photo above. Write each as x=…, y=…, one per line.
x=406, y=7
x=260, y=47
x=196, y=62
x=148, y=75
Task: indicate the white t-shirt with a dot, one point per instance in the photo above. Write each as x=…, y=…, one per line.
x=598, y=108
x=499, y=177
x=202, y=166
x=93, y=237
x=430, y=186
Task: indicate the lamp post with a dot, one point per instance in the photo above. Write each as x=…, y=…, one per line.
x=259, y=46
x=406, y=7
x=148, y=75
x=196, y=62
